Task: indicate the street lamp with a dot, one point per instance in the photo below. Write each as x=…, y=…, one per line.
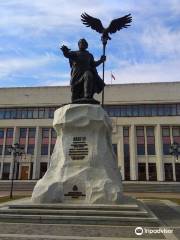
x=175, y=150
x=16, y=150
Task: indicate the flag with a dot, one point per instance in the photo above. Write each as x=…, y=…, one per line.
x=112, y=77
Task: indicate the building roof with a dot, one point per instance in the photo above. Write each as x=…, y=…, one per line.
x=133, y=93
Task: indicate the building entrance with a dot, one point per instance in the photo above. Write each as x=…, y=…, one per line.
x=24, y=172
x=141, y=171
x=177, y=167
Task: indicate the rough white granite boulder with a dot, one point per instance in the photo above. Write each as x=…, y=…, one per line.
x=83, y=165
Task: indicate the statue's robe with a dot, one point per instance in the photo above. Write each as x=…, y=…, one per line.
x=80, y=62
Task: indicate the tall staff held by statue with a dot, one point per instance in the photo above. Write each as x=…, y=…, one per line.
x=114, y=26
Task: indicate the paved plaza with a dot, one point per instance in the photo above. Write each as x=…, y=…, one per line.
x=167, y=212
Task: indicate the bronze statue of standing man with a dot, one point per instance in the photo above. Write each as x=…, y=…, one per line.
x=85, y=81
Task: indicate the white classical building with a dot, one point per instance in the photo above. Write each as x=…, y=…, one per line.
x=145, y=117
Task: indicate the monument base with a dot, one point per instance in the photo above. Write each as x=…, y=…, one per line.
x=83, y=165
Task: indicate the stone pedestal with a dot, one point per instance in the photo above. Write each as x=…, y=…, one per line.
x=83, y=165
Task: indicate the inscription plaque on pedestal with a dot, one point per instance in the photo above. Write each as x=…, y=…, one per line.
x=79, y=148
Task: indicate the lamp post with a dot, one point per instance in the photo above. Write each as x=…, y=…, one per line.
x=175, y=150
x=16, y=150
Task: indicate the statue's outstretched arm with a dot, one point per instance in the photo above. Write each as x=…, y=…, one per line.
x=68, y=53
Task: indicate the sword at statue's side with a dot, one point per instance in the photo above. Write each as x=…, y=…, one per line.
x=114, y=26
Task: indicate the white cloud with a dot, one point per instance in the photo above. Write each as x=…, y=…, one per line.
x=175, y=6
x=155, y=72
x=161, y=40
x=36, y=17
x=33, y=20
x=12, y=66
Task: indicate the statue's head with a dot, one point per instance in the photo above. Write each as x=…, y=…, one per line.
x=82, y=44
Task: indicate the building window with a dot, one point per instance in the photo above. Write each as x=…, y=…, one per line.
x=166, y=148
x=45, y=132
x=53, y=133
x=46, y=113
x=1, y=113
x=9, y=132
x=1, y=133
x=32, y=132
x=7, y=152
x=126, y=162
x=126, y=153
x=7, y=114
x=166, y=132
x=152, y=171
x=44, y=149
x=166, y=140
x=52, y=148
x=53, y=140
x=51, y=112
x=176, y=131
x=150, y=131
x=6, y=171
x=151, y=149
x=115, y=148
x=168, y=172
x=43, y=169
x=135, y=110
x=161, y=111
x=140, y=131
x=41, y=112
x=141, y=171
x=140, y=149
x=30, y=149
x=30, y=113
x=141, y=111
x=150, y=141
x=126, y=131
x=23, y=132
x=176, y=134
x=24, y=113
x=19, y=114
x=140, y=141
x=1, y=149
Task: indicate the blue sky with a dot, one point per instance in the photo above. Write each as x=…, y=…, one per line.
x=32, y=31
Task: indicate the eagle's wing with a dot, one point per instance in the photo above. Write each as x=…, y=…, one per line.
x=92, y=22
x=119, y=23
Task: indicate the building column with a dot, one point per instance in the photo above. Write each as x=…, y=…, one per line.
x=36, y=164
x=159, y=159
x=1, y=169
x=133, y=165
x=3, y=150
x=12, y=158
x=120, y=151
x=173, y=158
x=49, y=149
